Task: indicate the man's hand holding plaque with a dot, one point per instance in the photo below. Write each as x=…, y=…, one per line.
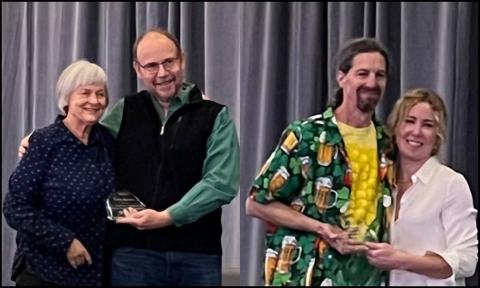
x=120, y=200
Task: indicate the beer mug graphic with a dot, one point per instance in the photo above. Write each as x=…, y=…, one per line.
x=325, y=154
x=325, y=196
x=290, y=142
x=297, y=205
x=279, y=179
x=325, y=151
x=306, y=162
x=271, y=258
x=382, y=170
x=289, y=246
x=310, y=271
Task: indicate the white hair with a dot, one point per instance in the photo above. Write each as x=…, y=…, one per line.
x=79, y=73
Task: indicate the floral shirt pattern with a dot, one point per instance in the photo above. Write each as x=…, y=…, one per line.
x=311, y=157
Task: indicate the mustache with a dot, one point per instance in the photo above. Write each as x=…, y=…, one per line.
x=369, y=90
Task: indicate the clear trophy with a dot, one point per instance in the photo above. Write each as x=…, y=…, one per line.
x=119, y=200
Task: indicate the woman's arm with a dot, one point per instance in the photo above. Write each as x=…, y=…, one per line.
x=22, y=204
x=386, y=257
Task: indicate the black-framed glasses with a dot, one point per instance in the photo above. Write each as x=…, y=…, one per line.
x=153, y=67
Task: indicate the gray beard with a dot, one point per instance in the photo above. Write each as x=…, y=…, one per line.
x=366, y=106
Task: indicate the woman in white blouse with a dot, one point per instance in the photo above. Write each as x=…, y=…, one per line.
x=433, y=234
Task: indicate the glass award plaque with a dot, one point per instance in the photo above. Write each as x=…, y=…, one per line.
x=119, y=200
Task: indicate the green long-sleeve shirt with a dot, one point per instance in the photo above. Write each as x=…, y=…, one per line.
x=221, y=168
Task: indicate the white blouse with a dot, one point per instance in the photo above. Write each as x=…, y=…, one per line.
x=437, y=214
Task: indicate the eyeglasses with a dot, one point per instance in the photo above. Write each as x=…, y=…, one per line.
x=153, y=67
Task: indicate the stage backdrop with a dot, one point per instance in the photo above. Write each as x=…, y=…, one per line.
x=271, y=63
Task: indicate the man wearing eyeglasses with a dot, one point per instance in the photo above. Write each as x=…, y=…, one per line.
x=179, y=154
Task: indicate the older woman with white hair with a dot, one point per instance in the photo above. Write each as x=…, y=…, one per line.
x=56, y=197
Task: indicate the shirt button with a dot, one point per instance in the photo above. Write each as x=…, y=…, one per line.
x=414, y=179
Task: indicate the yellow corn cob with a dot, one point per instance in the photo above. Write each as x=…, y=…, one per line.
x=362, y=207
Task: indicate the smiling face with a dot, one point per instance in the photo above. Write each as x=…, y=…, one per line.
x=416, y=134
x=86, y=104
x=155, y=49
x=364, y=84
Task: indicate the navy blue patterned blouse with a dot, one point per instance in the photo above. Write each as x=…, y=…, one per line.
x=57, y=193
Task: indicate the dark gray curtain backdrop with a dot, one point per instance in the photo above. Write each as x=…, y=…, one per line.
x=269, y=62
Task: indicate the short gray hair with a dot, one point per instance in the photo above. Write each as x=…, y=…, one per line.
x=79, y=73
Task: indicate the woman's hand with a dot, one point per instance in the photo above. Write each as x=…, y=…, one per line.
x=384, y=255
x=23, y=147
x=78, y=255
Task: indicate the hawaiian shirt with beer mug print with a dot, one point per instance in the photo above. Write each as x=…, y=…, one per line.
x=311, y=172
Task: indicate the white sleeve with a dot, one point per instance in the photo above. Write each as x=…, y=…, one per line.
x=459, y=223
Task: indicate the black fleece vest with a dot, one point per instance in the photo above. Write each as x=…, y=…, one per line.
x=160, y=164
